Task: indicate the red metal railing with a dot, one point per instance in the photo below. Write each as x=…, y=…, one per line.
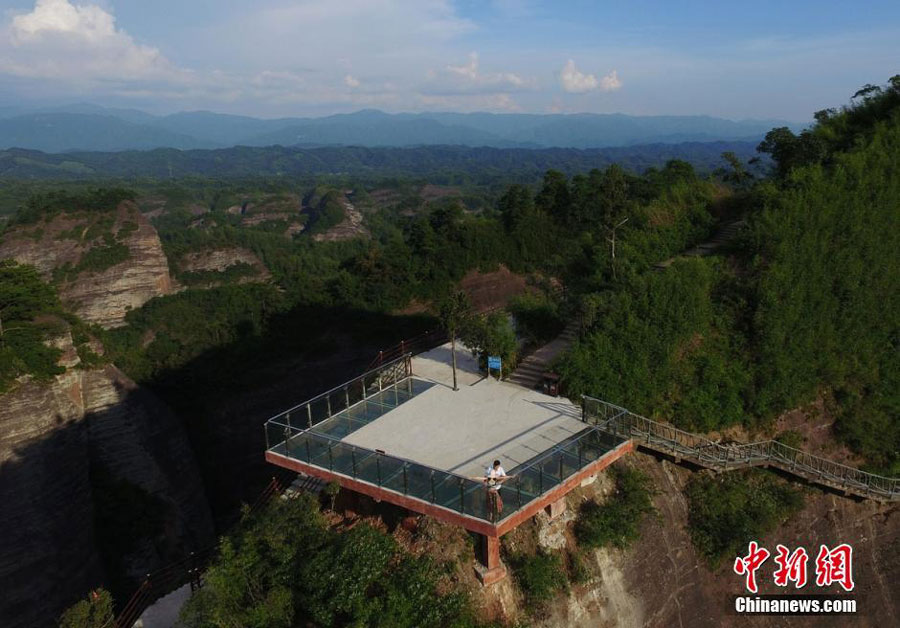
x=417, y=344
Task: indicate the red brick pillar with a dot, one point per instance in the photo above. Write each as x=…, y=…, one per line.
x=489, y=568
x=557, y=508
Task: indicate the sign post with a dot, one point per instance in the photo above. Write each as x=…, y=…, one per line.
x=494, y=363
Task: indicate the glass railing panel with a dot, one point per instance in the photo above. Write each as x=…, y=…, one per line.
x=418, y=479
x=516, y=494
x=550, y=467
x=317, y=448
x=475, y=502
x=446, y=490
x=275, y=436
x=530, y=480
x=367, y=466
x=391, y=397
x=338, y=401
x=392, y=474
x=569, y=463
x=589, y=450
x=353, y=392
x=295, y=446
x=370, y=382
x=343, y=459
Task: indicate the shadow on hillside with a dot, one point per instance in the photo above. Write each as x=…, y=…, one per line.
x=225, y=394
x=99, y=499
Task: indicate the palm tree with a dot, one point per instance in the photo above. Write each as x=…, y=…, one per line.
x=455, y=311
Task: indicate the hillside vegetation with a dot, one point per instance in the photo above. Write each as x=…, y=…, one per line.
x=808, y=303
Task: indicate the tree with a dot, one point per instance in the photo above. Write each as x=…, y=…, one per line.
x=455, y=312
x=94, y=612
x=515, y=205
x=738, y=174
x=331, y=491
x=23, y=295
x=554, y=197
x=492, y=335
x=613, y=195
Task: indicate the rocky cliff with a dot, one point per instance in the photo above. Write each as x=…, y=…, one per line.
x=662, y=581
x=56, y=439
x=104, y=263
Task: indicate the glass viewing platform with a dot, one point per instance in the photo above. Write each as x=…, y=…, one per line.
x=409, y=439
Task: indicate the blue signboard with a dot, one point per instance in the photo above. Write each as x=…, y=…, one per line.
x=493, y=361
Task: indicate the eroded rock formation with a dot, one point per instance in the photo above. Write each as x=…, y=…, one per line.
x=53, y=437
x=98, y=296
x=662, y=581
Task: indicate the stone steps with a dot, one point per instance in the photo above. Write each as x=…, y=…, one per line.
x=530, y=371
x=725, y=234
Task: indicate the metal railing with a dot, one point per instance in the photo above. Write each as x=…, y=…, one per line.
x=311, y=432
x=722, y=457
x=418, y=344
x=340, y=398
x=461, y=494
x=188, y=570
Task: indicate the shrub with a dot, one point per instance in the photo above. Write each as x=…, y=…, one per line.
x=729, y=511
x=230, y=274
x=285, y=567
x=579, y=568
x=617, y=521
x=540, y=577
x=94, y=612
x=537, y=316
x=23, y=349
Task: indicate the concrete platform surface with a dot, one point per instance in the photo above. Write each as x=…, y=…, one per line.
x=464, y=431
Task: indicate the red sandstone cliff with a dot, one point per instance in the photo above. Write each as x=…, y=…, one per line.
x=103, y=296
x=51, y=434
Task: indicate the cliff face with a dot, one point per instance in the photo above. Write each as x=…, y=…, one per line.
x=98, y=293
x=662, y=580
x=53, y=438
x=219, y=261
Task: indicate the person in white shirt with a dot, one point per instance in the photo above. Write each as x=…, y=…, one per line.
x=494, y=477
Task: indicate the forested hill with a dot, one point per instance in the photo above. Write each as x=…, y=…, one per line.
x=806, y=310
x=442, y=164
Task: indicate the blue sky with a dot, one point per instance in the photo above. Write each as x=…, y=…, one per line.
x=269, y=58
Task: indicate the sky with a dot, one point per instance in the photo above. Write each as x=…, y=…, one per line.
x=762, y=59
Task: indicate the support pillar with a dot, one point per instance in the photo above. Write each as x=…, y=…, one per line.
x=488, y=568
x=556, y=508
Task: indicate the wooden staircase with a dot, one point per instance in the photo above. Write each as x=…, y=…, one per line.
x=530, y=371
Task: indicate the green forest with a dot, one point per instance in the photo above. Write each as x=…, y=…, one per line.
x=804, y=305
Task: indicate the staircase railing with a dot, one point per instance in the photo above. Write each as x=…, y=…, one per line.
x=190, y=569
x=415, y=345
x=722, y=457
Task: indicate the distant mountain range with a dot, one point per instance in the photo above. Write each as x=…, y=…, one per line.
x=93, y=128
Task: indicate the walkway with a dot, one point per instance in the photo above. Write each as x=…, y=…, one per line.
x=530, y=371
x=703, y=452
x=724, y=234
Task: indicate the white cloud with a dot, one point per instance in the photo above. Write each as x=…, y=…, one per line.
x=472, y=76
x=470, y=70
x=610, y=82
x=576, y=82
x=59, y=40
x=351, y=81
